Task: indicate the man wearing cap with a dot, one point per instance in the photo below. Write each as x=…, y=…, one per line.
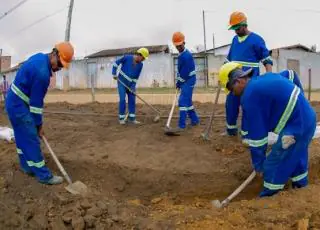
x=186, y=81
x=24, y=105
x=127, y=70
x=272, y=103
x=248, y=49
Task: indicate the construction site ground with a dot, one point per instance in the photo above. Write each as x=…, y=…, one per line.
x=140, y=178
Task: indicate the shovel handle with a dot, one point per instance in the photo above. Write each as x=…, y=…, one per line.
x=134, y=93
x=172, y=109
x=208, y=128
x=64, y=173
x=240, y=188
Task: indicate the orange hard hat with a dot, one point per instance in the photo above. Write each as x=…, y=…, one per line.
x=178, y=38
x=66, y=52
x=236, y=18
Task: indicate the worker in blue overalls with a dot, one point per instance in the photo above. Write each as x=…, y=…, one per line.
x=272, y=103
x=186, y=81
x=248, y=49
x=127, y=70
x=24, y=105
x=288, y=74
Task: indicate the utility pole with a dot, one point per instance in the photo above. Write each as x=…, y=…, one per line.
x=68, y=28
x=205, y=48
x=213, y=45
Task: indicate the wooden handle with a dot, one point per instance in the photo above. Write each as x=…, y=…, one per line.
x=172, y=109
x=64, y=173
x=134, y=93
x=241, y=187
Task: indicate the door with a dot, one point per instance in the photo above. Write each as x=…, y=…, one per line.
x=92, y=74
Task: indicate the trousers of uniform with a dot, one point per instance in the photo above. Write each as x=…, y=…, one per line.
x=123, y=92
x=232, y=112
x=185, y=104
x=284, y=164
x=27, y=141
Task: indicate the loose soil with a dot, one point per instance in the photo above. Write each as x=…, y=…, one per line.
x=140, y=178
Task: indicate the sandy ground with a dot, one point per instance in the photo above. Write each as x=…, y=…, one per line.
x=84, y=96
x=140, y=178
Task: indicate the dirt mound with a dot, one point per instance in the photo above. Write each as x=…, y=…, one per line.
x=141, y=179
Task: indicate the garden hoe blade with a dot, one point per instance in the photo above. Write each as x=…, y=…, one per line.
x=172, y=132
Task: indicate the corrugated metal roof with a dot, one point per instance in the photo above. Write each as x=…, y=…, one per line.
x=129, y=50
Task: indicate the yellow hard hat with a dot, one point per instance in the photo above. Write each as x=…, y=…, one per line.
x=224, y=72
x=144, y=52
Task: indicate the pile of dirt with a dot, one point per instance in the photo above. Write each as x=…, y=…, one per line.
x=141, y=179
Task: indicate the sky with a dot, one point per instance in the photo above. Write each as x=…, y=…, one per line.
x=110, y=24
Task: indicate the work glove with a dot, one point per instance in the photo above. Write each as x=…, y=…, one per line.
x=115, y=77
x=287, y=141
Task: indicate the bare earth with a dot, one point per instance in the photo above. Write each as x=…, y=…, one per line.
x=140, y=178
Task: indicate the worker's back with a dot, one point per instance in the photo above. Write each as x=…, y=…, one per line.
x=29, y=87
x=276, y=102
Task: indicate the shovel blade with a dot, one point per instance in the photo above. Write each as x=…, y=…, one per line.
x=216, y=204
x=205, y=136
x=171, y=132
x=77, y=188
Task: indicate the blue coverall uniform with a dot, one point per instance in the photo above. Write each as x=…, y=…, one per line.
x=274, y=104
x=290, y=75
x=129, y=73
x=186, y=80
x=249, y=51
x=24, y=105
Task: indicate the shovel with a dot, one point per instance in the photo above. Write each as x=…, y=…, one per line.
x=206, y=134
x=76, y=188
x=167, y=130
x=218, y=204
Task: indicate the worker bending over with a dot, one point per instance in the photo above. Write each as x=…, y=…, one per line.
x=24, y=105
x=185, y=82
x=126, y=70
x=248, y=49
x=271, y=103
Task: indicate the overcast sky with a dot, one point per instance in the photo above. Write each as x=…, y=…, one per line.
x=108, y=24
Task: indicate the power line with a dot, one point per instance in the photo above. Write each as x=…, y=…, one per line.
x=38, y=21
x=13, y=8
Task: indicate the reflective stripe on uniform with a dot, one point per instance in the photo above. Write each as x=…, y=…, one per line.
x=192, y=73
x=186, y=108
x=122, y=116
x=180, y=79
x=299, y=177
x=243, y=133
x=273, y=186
x=267, y=58
x=36, y=110
x=291, y=75
x=258, y=143
x=231, y=126
x=19, y=151
x=288, y=111
x=36, y=164
x=132, y=115
x=20, y=94
x=127, y=77
x=248, y=64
